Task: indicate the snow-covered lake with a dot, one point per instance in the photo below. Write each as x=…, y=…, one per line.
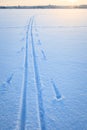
x=43, y=69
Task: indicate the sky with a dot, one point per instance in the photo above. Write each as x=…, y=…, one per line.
x=42, y=2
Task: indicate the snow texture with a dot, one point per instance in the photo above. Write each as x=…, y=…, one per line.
x=43, y=69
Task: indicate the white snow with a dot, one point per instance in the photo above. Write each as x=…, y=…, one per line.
x=43, y=69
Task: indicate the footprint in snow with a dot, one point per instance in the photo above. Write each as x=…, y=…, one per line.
x=22, y=49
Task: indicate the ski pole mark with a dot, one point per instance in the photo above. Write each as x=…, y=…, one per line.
x=58, y=95
x=39, y=42
x=22, y=39
x=38, y=83
x=21, y=50
x=43, y=54
x=9, y=79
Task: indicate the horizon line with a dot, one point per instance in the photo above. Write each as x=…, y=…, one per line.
x=83, y=6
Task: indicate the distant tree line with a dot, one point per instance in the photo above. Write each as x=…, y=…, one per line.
x=43, y=7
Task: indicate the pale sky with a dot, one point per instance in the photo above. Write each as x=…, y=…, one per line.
x=42, y=2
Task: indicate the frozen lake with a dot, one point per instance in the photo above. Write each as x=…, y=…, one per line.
x=43, y=69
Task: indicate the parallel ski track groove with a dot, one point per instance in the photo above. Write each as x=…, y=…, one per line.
x=38, y=83
x=23, y=108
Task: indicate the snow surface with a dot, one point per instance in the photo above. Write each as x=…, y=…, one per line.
x=43, y=69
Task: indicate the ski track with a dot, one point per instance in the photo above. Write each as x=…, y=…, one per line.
x=38, y=83
x=41, y=110
x=23, y=108
x=37, y=79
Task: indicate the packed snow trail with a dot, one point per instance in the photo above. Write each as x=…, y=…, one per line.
x=23, y=109
x=37, y=79
x=38, y=83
